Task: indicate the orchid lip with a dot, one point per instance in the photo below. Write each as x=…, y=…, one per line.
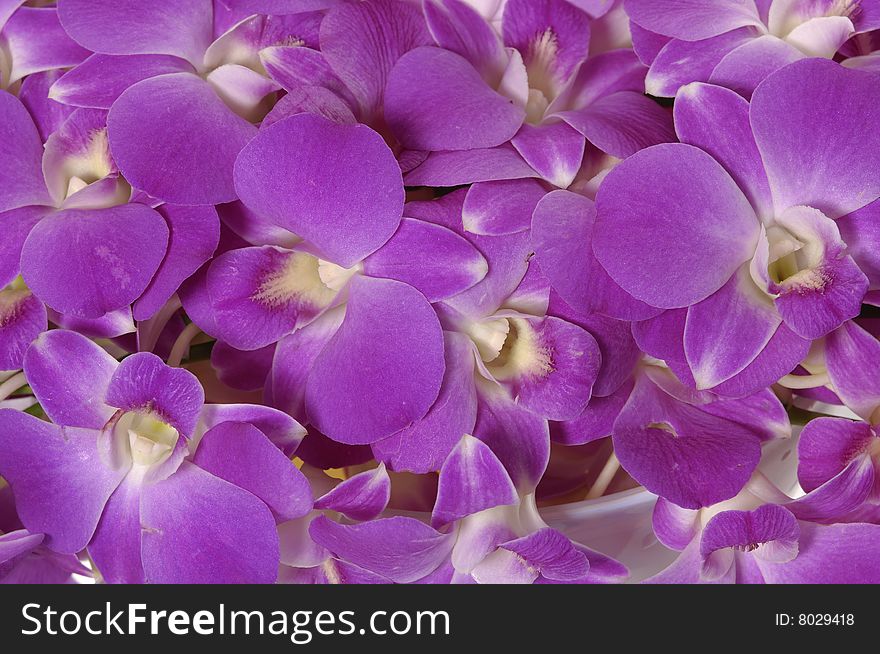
x=146, y=438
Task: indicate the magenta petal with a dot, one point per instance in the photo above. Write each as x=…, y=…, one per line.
x=595, y=422
x=796, y=112
x=672, y=227
x=422, y=446
x=100, y=79
x=401, y=549
x=562, y=228
x=69, y=375
x=310, y=100
x=554, y=150
x=681, y=453
x=22, y=319
x=519, y=438
x=142, y=382
x=34, y=94
x=841, y=495
x=674, y=526
x=60, y=480
x=21, y=151
x=401, y=371
x=198, y=528
x=747, y=65
x=852, y=357
x=127, y=27
x=435, y=100
x=194, y=233
x=622, y=123
x=363, y=41
x=284, y=175
x=35, y=41
x=472, y=479
x=458, y=27
x=827, y=446
x=725, y=332
x=453, y=168
x=116, y=545
x=174, y=138
x=769, y=532
x=284, y=432
x=502, y=207
x=16, y=543
x=88, y=262
x=552, y=554
x=430, y=258
x=240, y=369
x=860, y=230
x=361, y=497
x=693, y=19
x=717, y=120
x=242, y=455
x=110, y=325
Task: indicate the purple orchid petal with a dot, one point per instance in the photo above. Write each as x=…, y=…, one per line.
x=595, y=422
x=274, y=177
x=194, y=233
x=363, y=41
x=795, y=113
x=69, y=374
x=297, y=67
x=840, y=554
x=111, y=325
x=502, y=207
x=682, y=62
x=180, y=28
x=551, y=553
x=430, y=258
x=254, y=228
x=693, y=19
x=472, y=479
x=674, y=526
x=36, y=42
x=762, y=413
x=294, y=357
x=422, y=446
x=362, y=497
x=35, y=93
x=519, y=438
x=827, y=446
x=769, y=533
x=282, y=430
x=248, y=93
x=646, y=44
x=401, y=549
x=700, y=112
x=90, y=262
x=101, y=78
x=859, y=230
x=401, y=372
x=116, y=545
x=242, y=370
x=457, y=27
x=243, y=42
x=662, y=336
x=21, y=152
x=562, y=227
x=242, y=455
x=22, y=319
x=16, y=543
x=600, y=76
x=554, y=150
x=839, y=496
x=725, y=332
x=686, y=569
x=695, y=227
x=464, y=167
x=320, y=452
x=622, y=123
x=553, y=37
x=60, y=480
x=681, y=453
x=174, y=138
x=435, y=100
x=195, y=526
x=142, y=382
x=260, y=294
x=852, y=356
x=747, y=65
x=310, y=100
x=504, y=567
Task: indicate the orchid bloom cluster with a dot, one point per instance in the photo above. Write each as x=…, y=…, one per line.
x=349, y=291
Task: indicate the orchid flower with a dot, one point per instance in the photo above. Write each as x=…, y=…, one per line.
x=113, y=473
x=738, y=44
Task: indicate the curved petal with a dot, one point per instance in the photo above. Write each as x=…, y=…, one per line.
x=502, y=207
x=60, y=480
x=400, y=372
x=693, y=20
x=796, y=113
x=35, y=41
x=242, y=455
x=361, y=497
x=750, y=63
x=174, y=138
x=435, y=100
x=284, y=432
x=116, y=546
x=69, y=375
x=88, y=262
x=21, y=153
x=672, y=227
x=241, y=369
x=554, y=150
x=22, y=319
x=126, y=27
x=453, y=168
x=284, y=175
x=852, y=356
x=198, y=528
x=459, y=28
x=827, y=446
x=34, y=94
